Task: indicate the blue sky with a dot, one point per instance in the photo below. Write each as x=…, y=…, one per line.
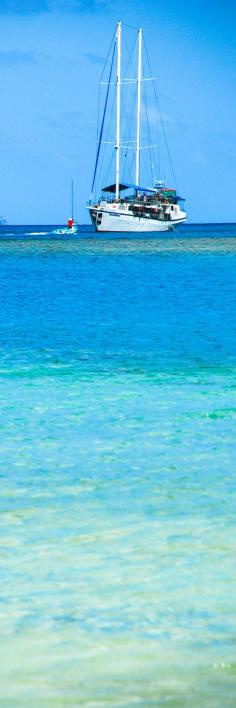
x=51, y=58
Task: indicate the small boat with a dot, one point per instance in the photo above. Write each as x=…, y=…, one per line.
x=72, y=225
x=146, y=208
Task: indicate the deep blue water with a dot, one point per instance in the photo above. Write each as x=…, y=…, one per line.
x=118, y=421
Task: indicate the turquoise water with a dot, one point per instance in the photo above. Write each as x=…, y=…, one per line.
x=118, y=422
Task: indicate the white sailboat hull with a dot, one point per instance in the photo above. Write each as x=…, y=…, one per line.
x=106, y=221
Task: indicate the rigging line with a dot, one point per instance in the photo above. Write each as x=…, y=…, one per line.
x=99, y=84
x=130, y=168
x=105, y=174
x=152, y=148
x=108, y=53
x=128, y=107
x=128, y=135
x=128, y=122
x=98, y=111
x=161, y=121
x=130, y=53
x=154, y=162
x=148, y=133
x=103, y=119
x=108, y=171
x=130, y=26
x=104, y=153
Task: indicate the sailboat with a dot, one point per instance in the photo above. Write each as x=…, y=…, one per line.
x=72, y=225
x=125, y=207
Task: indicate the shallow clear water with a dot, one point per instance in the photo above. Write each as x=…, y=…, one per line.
x=118, y=421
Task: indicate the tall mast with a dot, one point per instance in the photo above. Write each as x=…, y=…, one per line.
x=72, y=199
x=140, y=37
x=118, y=86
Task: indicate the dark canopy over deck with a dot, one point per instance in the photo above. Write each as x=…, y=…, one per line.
x=122, y=187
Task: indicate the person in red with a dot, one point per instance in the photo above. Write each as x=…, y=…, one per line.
x=70, y=223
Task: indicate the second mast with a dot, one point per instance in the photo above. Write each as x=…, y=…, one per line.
x=118, y=90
